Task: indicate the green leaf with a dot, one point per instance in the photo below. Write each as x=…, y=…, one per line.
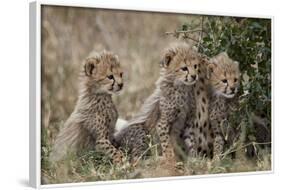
x=184, y=27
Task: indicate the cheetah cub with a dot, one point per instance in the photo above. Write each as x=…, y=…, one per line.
x=223, y=75
x=224, y=78
x=167, y=107
x=93, y=120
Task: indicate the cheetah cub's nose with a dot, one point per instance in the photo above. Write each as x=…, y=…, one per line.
x=120, y=85
x=193, y=77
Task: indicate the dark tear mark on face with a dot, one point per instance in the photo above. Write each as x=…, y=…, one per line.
x=204, y=100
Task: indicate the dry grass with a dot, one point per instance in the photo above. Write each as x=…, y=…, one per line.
x=68, y=36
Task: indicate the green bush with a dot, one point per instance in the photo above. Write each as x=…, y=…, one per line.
x=248, y=41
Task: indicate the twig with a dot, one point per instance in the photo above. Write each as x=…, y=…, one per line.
x=88, y=153
x=184, y=31
x=191, y=38
x=235, y=150
x=201, y=33
x=139, y=158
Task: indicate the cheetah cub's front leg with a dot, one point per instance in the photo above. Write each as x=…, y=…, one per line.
x=104, y=145
x=218, y=139
x=190, y=137
x=103, y=142
x=168, y=115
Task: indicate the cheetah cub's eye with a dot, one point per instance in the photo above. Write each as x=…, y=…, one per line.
x=235, y=80
x=110, y=77
x=184, y=68
x=121, y=75
x=195, y=66
x=224, y=81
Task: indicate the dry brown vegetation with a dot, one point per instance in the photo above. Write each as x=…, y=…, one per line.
x=138, y=38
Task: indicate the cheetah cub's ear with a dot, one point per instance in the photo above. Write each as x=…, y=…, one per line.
x=204, y=60
x=222, y=57
x=236, y=63
x=90, y=64
x=167, y=58
x=211, y=66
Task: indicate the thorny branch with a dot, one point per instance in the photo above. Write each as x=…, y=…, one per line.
x=186, y=33
x=201, y=33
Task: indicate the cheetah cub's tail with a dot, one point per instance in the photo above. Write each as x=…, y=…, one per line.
x=70, y=139
x=148, y=111
x=120, y=125
x=148, y=114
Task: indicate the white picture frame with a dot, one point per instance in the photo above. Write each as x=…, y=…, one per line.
x=35, y=91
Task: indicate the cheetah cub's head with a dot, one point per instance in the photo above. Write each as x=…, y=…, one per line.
x=224, y=75
x=103, y=73
x=180, y=64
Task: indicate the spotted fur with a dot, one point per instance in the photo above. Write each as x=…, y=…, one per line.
x=167, y=107
x=197, y=122
x=221, y=84
x=92, y=123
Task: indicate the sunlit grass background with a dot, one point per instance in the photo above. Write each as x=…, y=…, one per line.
x=138, y=38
